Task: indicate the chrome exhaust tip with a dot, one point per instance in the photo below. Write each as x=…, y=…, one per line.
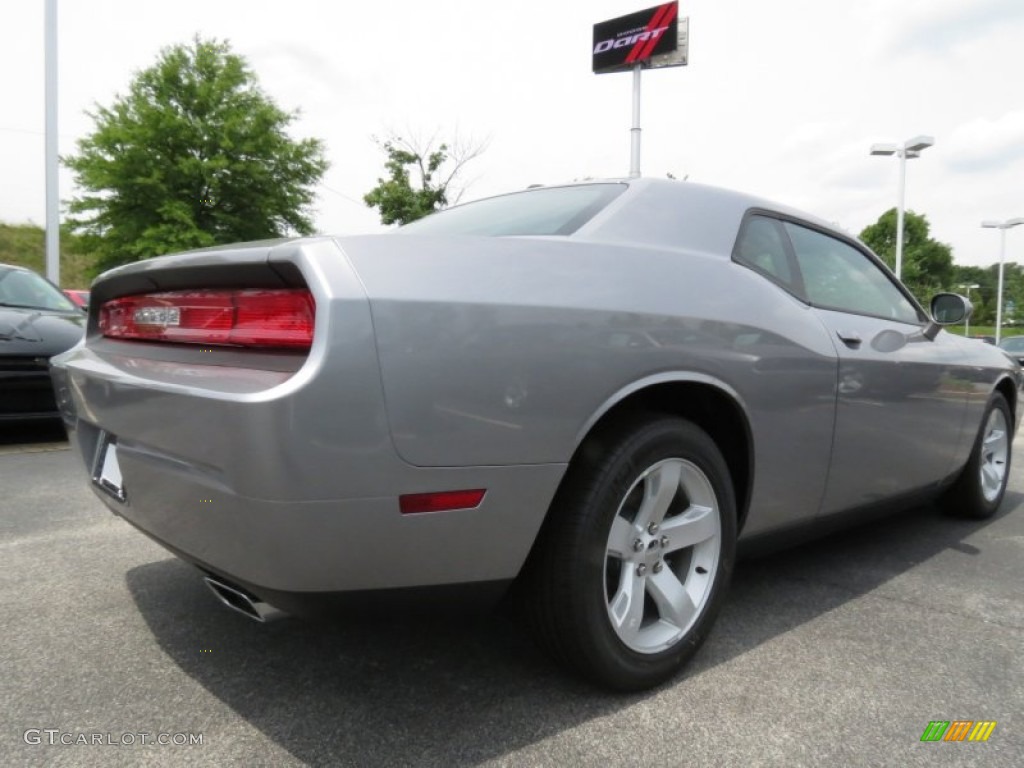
x=246, y=604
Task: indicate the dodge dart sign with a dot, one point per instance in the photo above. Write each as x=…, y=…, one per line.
x=622, y=43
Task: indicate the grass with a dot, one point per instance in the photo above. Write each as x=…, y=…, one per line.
x=24, y=245
x=987, y=330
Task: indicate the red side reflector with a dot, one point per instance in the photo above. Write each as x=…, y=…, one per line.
x=443, y=501
x=247, y=318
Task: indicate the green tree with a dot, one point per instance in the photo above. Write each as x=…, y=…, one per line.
x=927, y=263
x=1013, y=294
x=419, y=179
x=195, y=155
x=983, y=298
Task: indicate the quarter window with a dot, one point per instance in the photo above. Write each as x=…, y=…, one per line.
x=762, y=246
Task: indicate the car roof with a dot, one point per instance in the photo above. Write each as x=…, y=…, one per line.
x=683, y=214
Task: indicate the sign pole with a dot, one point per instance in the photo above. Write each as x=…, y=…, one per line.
x=634, y=132
x=52, y=199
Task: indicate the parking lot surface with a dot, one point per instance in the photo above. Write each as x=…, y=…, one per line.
x=839, y=652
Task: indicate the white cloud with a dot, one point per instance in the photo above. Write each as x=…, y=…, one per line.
x=938, y=26
x=983, y=144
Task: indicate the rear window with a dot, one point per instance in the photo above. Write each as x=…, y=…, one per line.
x=541, y=211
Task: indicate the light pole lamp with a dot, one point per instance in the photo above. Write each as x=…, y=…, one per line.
x=1002, y=226
x=967, y=320
x=908, y=150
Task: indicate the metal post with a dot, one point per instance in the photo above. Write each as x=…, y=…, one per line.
x=899, y=213
x=52, y=192
x=999, y=297
x=634, y=132
x=967, y=320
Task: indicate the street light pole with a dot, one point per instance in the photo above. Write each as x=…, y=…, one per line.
x=999, y=290
x=910, y=149
x=1002, y=226
x=899, y=213
x=967, y=320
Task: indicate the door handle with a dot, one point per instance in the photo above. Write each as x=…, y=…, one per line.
x=849, y=338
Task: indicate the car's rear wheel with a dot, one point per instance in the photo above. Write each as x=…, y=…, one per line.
x=634, y=562
x=979, y=490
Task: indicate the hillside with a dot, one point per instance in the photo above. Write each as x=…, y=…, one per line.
x=25, y=246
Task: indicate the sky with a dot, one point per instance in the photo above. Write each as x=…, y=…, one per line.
x=780, y=99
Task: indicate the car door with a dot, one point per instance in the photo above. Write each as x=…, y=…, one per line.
x=900, y=403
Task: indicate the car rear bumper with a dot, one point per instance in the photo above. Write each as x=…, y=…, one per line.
x=338, y=544
x=262, y=477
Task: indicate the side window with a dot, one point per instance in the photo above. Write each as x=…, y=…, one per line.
x=761, y=245
x=838, y=276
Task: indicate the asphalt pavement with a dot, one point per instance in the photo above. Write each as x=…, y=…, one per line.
x=838, y=653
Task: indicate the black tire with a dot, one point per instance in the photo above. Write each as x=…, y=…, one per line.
x=979, y=490
x=575, y=582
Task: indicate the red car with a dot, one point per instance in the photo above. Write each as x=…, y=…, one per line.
x=81, y=298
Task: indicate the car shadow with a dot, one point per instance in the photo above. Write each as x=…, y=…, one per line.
x=462, y=692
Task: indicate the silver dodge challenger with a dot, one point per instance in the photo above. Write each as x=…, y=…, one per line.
x=587, y=396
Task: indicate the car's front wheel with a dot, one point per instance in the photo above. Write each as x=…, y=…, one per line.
x=635, y=560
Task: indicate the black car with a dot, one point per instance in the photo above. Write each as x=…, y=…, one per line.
x=1014, y=348
x=37, y=321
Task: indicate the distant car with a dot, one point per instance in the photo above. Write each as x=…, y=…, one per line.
x=81, y=298
x=986, y=339
x=37, y=321
x=1013, y=346
x=592, y=393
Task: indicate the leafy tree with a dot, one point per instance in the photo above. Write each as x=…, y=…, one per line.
x=1013, y=295
x=420, y=177
x=927, y=263
x=195, y=155
x=983, y=297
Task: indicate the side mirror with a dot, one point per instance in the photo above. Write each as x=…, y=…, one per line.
x=947, y=309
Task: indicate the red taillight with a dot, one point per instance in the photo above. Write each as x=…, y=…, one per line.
x=248, y=318
x=442, y=501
